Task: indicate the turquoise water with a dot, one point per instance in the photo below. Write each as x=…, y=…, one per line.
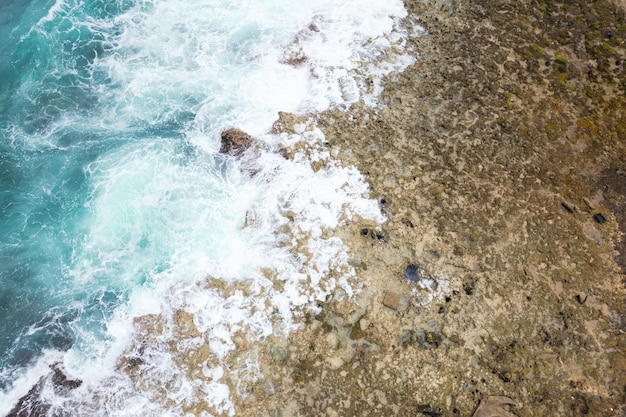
x=114, y=201
x=43, y=187
x=88, y=183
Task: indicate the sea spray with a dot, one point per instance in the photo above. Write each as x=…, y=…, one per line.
x=167, y=257
x=292, y=266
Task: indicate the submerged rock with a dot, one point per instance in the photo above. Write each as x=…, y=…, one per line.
x=60, y=382
x=32, y=404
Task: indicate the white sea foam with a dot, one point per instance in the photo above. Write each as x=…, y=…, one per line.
x=166, y=221
x=224, y=61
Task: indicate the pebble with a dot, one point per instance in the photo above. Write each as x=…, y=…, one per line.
x=588, y=203
x=412, y=273
x=415, y=275
x=568, y=206
x=392, y=300
x=599, y=217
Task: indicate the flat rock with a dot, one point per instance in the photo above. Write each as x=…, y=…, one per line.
x=492, y=406
x=392, y=300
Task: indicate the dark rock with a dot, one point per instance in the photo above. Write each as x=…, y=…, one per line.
x=427, y=410
x=415, y=275
x=235, y=142
x=569, y=206
x=32, y=404
x=599, y=218
x=373, y=234
x=412, y=273
x=61, y=382
x=469, y=287
x=132, y=362
x=428, y=339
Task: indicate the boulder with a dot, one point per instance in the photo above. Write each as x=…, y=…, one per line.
x=235, y=142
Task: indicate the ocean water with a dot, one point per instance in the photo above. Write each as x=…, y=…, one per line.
x=116, y=205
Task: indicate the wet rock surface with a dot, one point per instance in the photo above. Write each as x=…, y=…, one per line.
x=34, y=404
x=235, y=142
x=513, y=108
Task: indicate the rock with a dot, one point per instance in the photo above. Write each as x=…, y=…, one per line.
x=427, y=410
x=569, y=207
x=599, y=218
x=373, y=234
x=588, y=203
x=278, y=353
x=392, y=300
x=413, y=274
x=287, y=123
x=235, y=142
x=61, y=382
x=32, y=404
x=491, y=406
x=428, y=339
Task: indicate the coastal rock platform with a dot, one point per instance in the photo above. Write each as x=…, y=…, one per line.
x=492, y=158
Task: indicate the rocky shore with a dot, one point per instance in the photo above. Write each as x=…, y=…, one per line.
x=500, y=162
x=497, y=286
